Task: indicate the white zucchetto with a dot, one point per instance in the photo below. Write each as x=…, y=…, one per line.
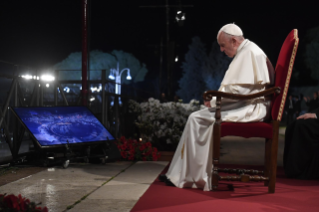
x=231, y=29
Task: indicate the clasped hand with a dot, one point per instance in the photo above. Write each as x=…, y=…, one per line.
x=307, y=116
x=207, y=103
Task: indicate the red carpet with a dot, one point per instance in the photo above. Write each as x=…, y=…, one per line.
x=291, y=195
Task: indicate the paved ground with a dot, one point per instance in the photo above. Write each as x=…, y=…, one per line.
x=110, y=187
x=116, y=186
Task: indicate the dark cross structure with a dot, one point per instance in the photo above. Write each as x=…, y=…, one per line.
x=170, y=44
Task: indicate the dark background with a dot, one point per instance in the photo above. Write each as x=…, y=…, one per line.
x=40, y=34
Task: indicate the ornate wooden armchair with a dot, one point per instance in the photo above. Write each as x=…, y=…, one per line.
x=268, y=130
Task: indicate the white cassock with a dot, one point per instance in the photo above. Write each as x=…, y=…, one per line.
x=191, y=165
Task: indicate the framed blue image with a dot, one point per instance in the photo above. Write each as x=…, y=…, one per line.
x=59, y=125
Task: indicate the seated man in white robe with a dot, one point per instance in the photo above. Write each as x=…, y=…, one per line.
x=191, y=165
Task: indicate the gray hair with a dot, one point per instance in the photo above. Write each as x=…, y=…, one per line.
x=229, y=36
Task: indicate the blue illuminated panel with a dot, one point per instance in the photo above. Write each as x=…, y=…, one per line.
x=57, y=125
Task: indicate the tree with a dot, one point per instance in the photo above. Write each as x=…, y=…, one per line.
x=192, y=84
x=312, y=51
x=215, y=67
x=70, y=68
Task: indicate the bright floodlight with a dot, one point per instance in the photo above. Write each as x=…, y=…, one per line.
x=180, y=18
x=67, y=89
x=128, y=76
x=47, y=85
x=92, y=98
x=111, y=76
x=27, y=76
x=47, y=78
x=96, y=89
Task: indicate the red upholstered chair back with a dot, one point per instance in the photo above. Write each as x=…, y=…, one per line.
x=283, y=71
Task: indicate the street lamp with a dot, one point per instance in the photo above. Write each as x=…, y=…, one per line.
x=116, y=74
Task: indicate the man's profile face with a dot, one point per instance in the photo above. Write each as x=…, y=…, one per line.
x=226, y=45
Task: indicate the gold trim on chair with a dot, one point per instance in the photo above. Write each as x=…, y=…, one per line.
x=292, y=59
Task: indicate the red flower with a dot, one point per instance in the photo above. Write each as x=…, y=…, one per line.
x=131, y=157
x=156, y=156
x=9, y=200
x=18, y=203
x=131, y=149
x=130, y=146
x=122, y=138
x=22, y=202
x=142, y=147
x=123, y=154
x=124, y=146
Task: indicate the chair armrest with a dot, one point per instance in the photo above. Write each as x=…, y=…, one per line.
x=207, y=96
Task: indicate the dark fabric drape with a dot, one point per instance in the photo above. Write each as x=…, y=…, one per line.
x=313, y=104
x=301, y=152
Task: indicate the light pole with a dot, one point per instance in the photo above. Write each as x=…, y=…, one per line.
x=116, y=74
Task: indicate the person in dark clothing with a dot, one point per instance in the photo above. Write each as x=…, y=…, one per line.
x=163, y=98
x=290, y=109
x=301, y=152
x=313, y=103
x=297, y=106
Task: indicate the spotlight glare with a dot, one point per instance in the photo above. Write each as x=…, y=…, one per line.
x=94, y=89
x=47, y=78
x=27, y=76
x=66, y=89
x=111, y=77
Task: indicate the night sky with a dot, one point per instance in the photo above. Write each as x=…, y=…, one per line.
x=42, y=33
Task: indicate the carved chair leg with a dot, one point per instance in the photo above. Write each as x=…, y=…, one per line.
x=215, y=180
x=267, y=160
x=273, y=158
x=216, y=155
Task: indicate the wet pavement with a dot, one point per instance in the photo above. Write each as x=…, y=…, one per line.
x=88, y=187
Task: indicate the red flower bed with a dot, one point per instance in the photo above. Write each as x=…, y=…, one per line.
x=14, y=203
x=132, y=149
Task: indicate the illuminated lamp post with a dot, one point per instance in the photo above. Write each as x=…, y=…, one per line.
x=116, y=74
